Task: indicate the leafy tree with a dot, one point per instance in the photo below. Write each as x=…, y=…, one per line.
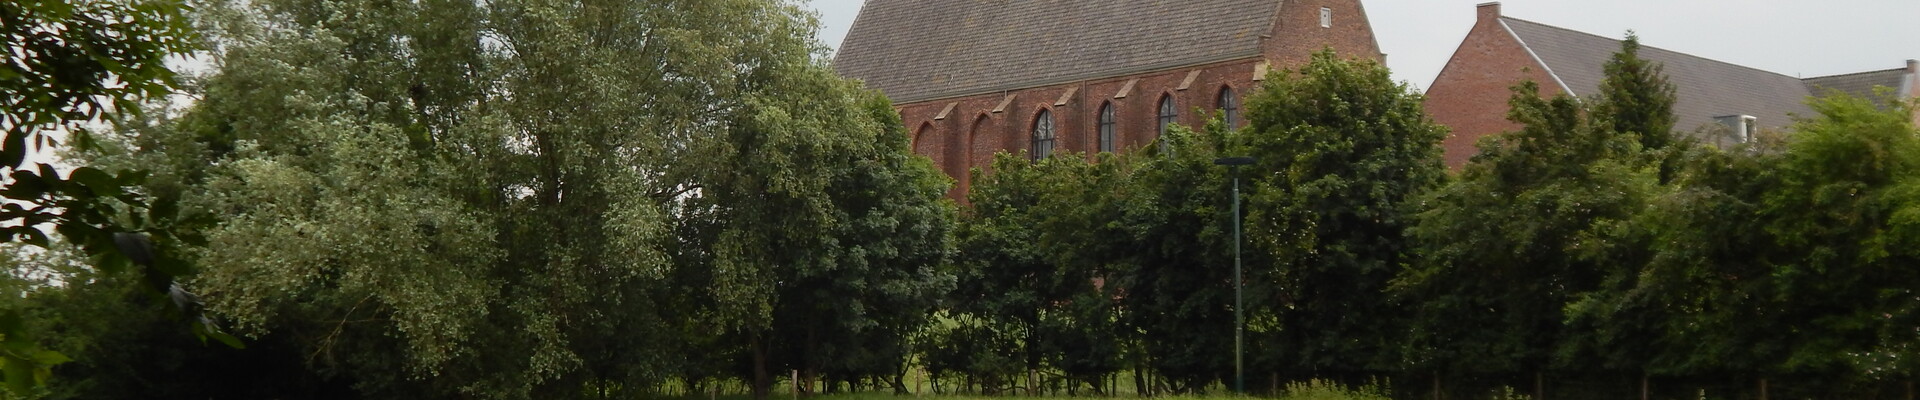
x=70, y=65
x=1636, y=98
x=486, y=199
x=1090, y=234
x=890, y=229
x=1177, y=283
x=1783, y=263
x=1516, y=239
x=1005, y=276
x=1344, y=152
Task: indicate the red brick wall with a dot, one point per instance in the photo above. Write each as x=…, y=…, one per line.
x=1297, y=33
x=971, y=133
x=1470, y=96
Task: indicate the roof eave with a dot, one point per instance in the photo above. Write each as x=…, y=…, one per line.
x=1166, y=66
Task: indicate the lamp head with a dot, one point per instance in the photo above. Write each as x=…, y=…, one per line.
x=1234, y=161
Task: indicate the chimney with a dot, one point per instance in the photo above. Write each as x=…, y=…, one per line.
x=1489, y=11
x=1913, y=66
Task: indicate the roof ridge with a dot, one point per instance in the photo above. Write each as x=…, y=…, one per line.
x=1856, y=73
x=1652, y=47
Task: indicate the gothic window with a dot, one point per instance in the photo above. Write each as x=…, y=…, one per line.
x=1106, y=127
x=1042, y=135
x=1168, y=114
x=1230, y=106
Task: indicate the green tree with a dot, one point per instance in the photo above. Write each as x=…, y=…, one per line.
x=1514, y=240
x=1006, y=278
x=800, y=201
x=487, y=199
x=1636, y=98
x=69, y=66
x=1177, y=278
x=890, y=229
x=1344, y=152
x=1777, y=263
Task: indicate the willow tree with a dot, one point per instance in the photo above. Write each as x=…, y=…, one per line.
x=447, y=198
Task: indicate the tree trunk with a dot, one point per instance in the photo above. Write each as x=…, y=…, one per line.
x=1436, y=386
x=1140, y=382
x=900, y=383
x=1763, y=388
x=762, y=382
x=1539, y=386
x=1644, y=387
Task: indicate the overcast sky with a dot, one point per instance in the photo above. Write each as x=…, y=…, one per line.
x=1802, y=38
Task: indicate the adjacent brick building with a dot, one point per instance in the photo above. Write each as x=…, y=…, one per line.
x=975, y=77
x=1470, y=95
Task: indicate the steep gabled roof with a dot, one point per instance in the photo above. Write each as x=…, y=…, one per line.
x=918, y=50
x=1859, y=84
x=1705, y=88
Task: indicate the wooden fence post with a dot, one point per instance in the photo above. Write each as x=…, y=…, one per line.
x=1643, y=387
x=1539, y=385
x=1436, y=386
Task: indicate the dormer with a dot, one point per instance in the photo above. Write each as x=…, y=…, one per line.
x=1740, y=128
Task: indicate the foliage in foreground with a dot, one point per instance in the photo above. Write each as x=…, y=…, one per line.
x=522, y=199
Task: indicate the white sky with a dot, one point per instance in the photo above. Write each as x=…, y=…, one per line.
x=1803, y=38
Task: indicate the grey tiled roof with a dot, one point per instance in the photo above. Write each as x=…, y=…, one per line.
x=1705, y=88
x=1858, y=84
x=917, y=50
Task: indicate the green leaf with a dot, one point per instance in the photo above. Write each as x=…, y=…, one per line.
x=26, y=186
x=100, y=182
x=50, y=358
x=226, y=339
x=19, y=373
x=14, y=150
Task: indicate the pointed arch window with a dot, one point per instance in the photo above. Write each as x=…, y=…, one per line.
x=1042, y=135
x=1168, y=115
x=1106, y=126
x=1230, y=106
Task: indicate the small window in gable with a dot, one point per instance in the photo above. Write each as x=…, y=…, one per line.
x=1042, y=135
x=1326, y=17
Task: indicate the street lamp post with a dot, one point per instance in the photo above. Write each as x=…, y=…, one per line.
x=1239, y=319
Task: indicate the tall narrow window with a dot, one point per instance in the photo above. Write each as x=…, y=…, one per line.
x=1168, y=114
x=1106, y=127
x=1326, y=17
x=1230, y=106
x=1042, y=135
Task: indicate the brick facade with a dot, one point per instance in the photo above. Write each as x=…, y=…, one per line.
x=1470, y=95
x=964, y=133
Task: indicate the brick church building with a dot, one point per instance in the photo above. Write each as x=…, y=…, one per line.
x=1718, y=101
x=975, y=77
